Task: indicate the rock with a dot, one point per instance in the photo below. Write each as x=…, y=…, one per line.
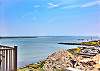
x=69, y=60
x=72, y=69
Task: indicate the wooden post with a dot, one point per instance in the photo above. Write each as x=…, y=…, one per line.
x=6, y=60
x=15, y=58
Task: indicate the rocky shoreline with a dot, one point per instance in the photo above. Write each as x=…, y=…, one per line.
x=83, y=58
x=89, y=43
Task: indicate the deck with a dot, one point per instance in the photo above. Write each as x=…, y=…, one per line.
x=8, y=58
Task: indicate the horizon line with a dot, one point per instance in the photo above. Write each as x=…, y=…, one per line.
x=44, y=36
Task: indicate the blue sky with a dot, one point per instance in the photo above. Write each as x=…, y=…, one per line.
x=49, y=17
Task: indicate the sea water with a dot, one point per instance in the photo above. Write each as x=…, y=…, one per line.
x=31, y=50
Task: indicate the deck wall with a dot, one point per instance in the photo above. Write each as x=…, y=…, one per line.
x=8, y=58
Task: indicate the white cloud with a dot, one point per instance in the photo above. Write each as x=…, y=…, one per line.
x=71, y=6
x=60, y=3
x=36, y=6
x=51, y=5
x=89, y=4
x=94, y=3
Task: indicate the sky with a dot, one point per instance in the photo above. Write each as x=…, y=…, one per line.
x=49, y=17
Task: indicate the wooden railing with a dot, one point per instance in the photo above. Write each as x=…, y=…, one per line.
x=8, y=58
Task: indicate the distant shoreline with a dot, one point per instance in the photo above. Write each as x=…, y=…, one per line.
x=18, y=37
x=88, y=43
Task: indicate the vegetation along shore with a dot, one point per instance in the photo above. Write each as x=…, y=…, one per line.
x=82, y=58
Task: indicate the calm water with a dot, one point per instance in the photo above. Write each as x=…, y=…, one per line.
x=31, y=50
